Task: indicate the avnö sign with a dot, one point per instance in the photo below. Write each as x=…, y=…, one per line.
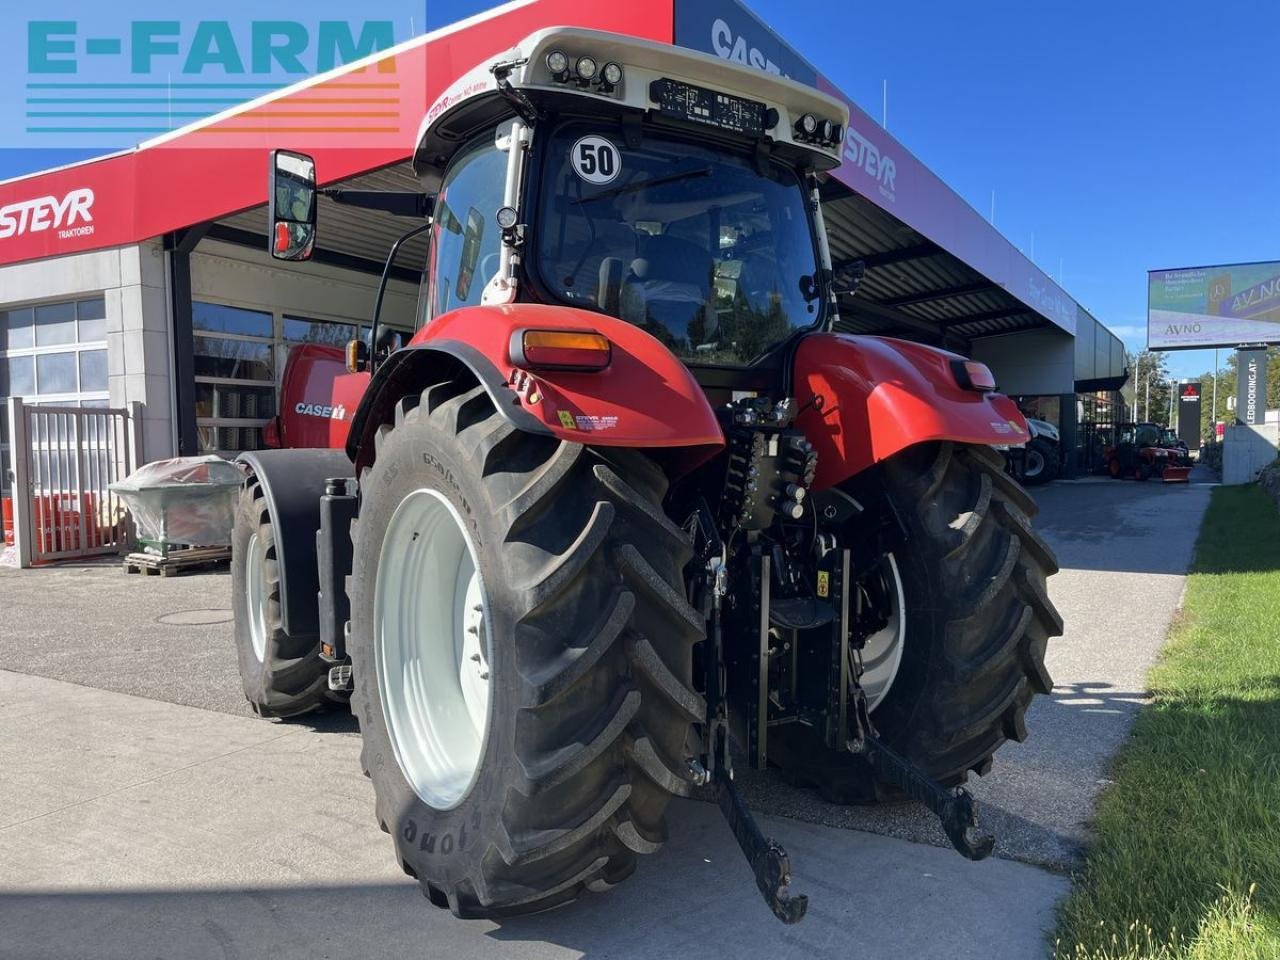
x=1221, y=306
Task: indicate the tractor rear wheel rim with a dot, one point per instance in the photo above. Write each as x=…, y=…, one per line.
x=882, y=653
x=256, y=595
x=432, y=648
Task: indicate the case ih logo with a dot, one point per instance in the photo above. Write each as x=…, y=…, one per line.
x=70, y=215
x=321, y=410
x=737, y=49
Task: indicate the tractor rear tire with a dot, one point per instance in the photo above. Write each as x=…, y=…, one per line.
x=590, y=705
x=283, y=675
x=976, y=626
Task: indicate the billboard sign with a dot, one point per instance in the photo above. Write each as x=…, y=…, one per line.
x=1213, y=306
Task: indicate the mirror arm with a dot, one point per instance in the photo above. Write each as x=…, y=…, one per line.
x=398, y=203
x=382, y=289
x=519, y=101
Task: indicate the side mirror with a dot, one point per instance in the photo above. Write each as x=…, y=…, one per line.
x=357, y=356
x=847, y=277
x=292, y=205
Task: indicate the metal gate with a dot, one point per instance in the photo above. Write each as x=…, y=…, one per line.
x=64, y=459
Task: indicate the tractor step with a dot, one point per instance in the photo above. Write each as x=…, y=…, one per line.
x=340, y=677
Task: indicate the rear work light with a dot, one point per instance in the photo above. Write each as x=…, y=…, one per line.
x=972, y=375
x=560, y=349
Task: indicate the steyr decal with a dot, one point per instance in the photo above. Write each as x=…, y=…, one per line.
x=566, y=420
x=321, y=410
x=593, y=422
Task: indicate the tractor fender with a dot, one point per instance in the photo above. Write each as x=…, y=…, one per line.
x=645, y=399
x=292, y=482
x=864, y=399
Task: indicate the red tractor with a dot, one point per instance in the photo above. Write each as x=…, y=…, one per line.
x=1141, y=451
x=626, y=508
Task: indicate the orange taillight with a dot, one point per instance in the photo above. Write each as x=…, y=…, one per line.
x=561, y=349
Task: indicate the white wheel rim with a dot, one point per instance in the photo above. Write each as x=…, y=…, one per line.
x=256, y=595
x=882, y=654
x=432, y=649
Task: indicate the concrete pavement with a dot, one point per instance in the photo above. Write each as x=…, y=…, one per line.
x=132, y=828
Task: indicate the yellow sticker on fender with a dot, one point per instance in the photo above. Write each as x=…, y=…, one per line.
x=566, y=420
x=824, y=583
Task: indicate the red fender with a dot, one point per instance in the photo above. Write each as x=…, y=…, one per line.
x=645, y=397
x=863, y=399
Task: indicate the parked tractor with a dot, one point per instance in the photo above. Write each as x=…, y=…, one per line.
x=1139, y=452
x=626, y=509
x=1043, y=457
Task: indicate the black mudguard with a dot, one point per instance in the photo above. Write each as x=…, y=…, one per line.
x=293, y=482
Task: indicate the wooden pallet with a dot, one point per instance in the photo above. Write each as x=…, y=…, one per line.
x=176, y=561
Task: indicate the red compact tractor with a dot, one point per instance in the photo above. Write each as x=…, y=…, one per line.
x=626, y=508
x=1141, y=451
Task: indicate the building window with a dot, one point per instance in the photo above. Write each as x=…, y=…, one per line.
x=240, y=356
x=54, y=354
x=235, y=375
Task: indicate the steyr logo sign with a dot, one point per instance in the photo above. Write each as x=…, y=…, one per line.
x=881, y=167
x=112, y=76
x=70, y=215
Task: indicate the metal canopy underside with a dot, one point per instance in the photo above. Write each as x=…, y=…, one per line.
x=913, y=288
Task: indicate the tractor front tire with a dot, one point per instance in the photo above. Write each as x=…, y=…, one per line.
x=589, y=639
x=283, y=675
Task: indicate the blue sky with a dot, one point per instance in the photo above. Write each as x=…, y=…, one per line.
x=1118, y=137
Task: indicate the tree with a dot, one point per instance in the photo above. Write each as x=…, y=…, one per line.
x=1150, y=371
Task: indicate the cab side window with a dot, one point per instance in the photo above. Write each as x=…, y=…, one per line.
x=465, y=240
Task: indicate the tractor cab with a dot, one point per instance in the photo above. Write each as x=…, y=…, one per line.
x=631, y=179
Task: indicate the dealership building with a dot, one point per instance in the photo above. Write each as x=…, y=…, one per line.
x=143, y=277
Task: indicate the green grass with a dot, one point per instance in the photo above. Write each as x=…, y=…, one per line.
x=1186, y=862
